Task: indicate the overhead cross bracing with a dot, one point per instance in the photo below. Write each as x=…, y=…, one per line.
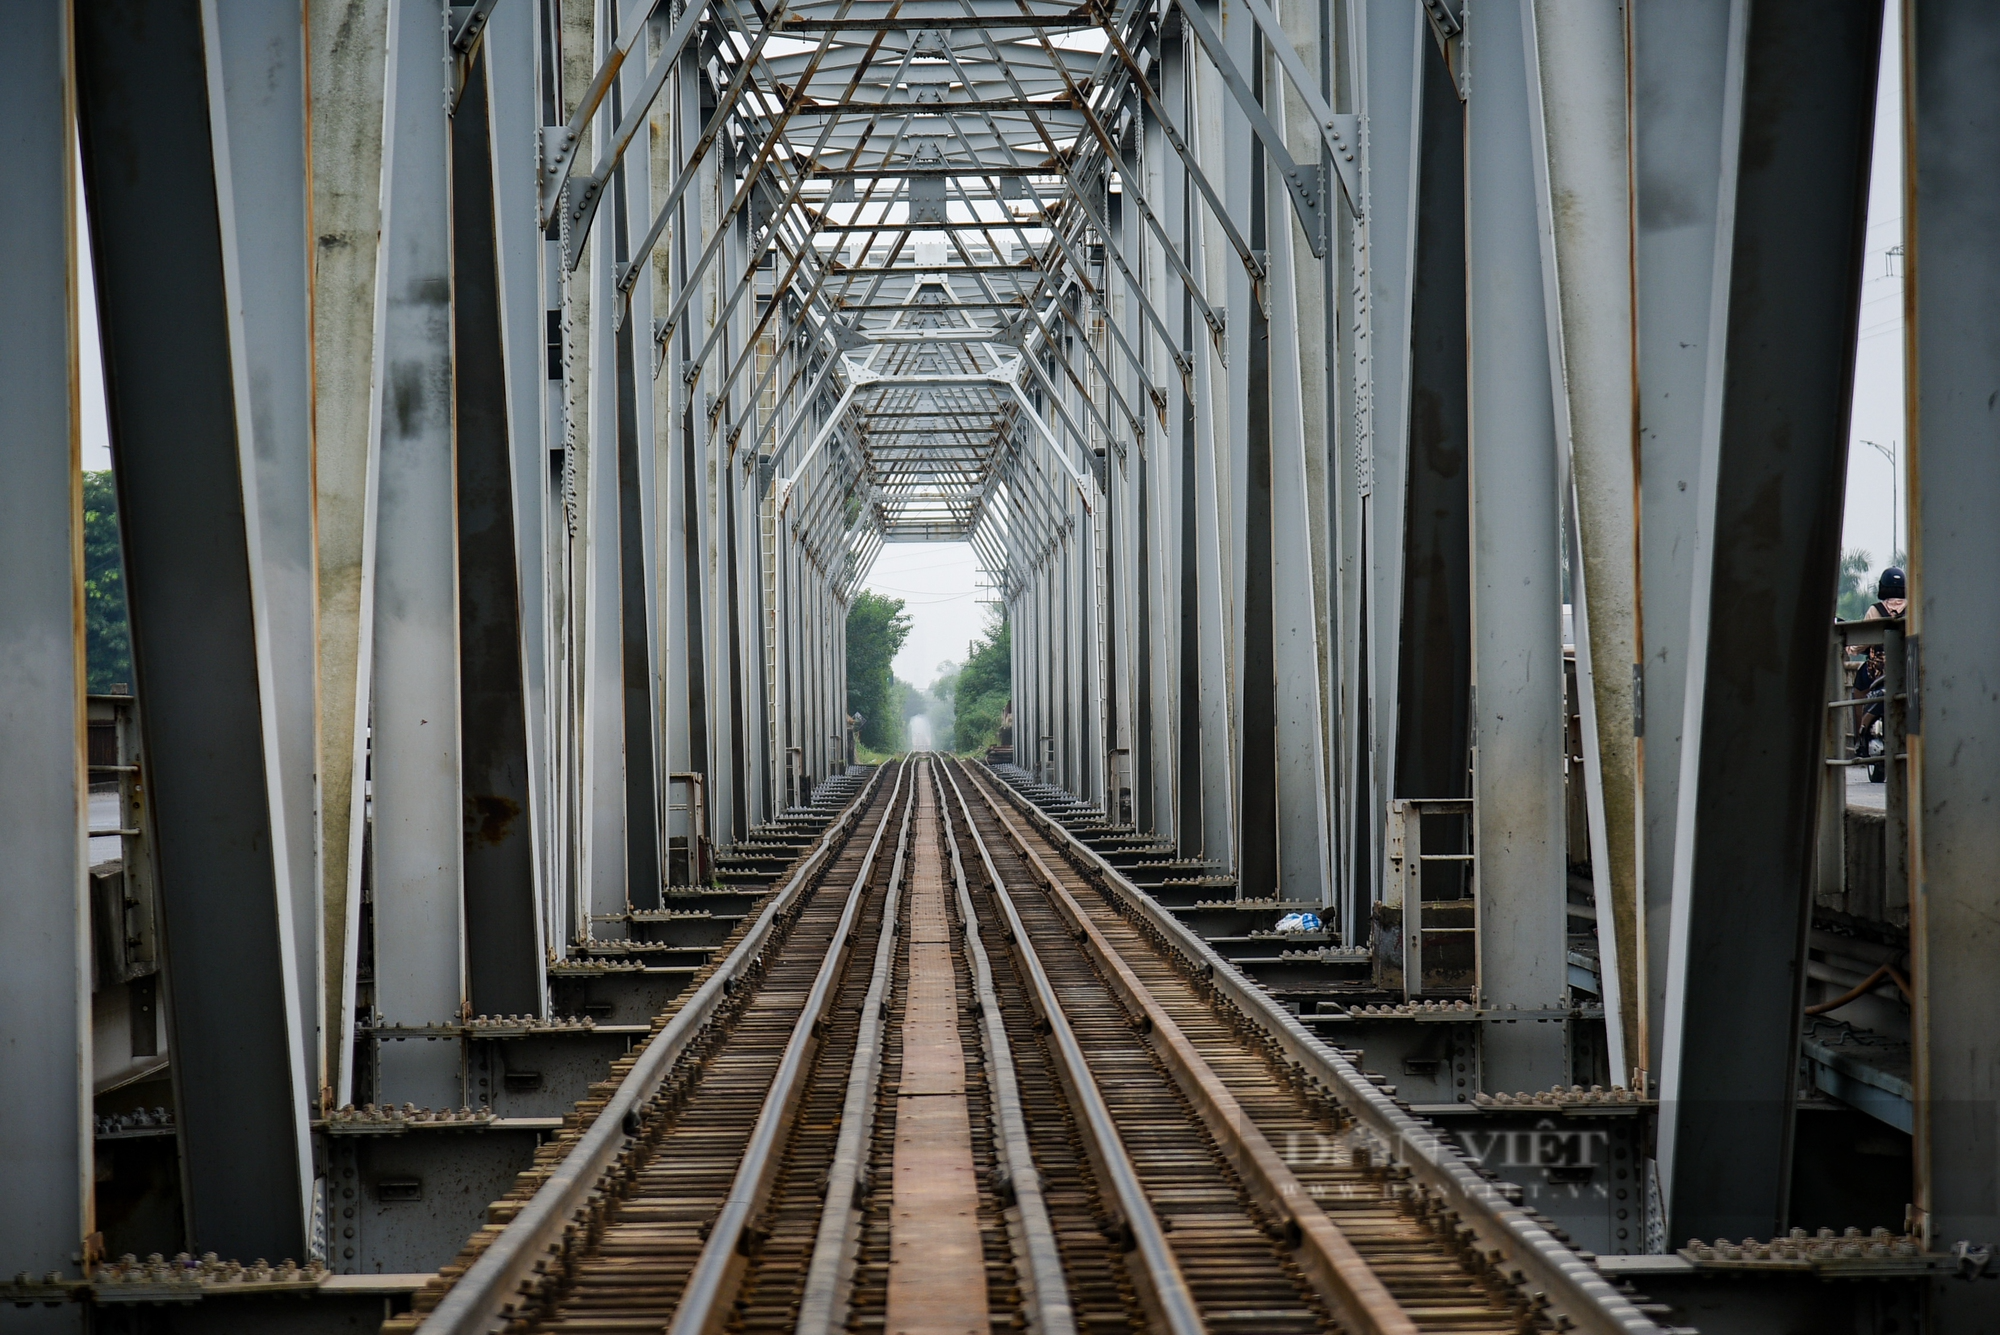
x=916, y=238
x=912, y=192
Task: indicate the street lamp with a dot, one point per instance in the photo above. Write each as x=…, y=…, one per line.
x=1895, y=485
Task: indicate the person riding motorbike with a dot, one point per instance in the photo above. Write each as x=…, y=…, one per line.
x=1890, y=602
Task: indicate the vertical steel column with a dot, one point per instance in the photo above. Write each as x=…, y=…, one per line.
x=1392, y=74
x=1516, y=595
x=1157, y=489
x=1798, y=120
x=410, y=596
x=201, y=635
x=1582, y=151
x=1336, y=333
x=1680, y=56
x=348, y=43
x=1128, y=657
x=508, y=45
x=681, y=643
x=691, y=225
x=1046, y=647
x=1181, y=582
x=1423, y=688
x=719, y=685
x=1218, y=431
x=605, y=793
x=503, y=939
x=568, y=54
x=675, y=630
x=1295, y=379
x=736, y=777
x=1953, y=212
x=631, y=212
x=1085, y=659
x=45, y=1101
x=1244, y=460
x=257, y=116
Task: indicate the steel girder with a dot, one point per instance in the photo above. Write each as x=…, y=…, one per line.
x=1952, y=483
x=557, y=493
x=408, y=739
x=45, y=967
x=1580, y=83
x=1517, y=691
x=1679, y=64
x=1769, y=493
x=172, y=134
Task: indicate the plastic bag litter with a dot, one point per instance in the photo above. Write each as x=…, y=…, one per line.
x=1298, y=922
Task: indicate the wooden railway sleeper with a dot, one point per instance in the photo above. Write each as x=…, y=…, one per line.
x=1537, y=1262
x=503, y=1282
x=1163, y=1287
x=1017, y=1185
x=712, y=1286
x=1344, y=1280
x=830, y=1275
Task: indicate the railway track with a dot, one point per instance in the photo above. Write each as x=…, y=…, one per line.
x=953, y=1079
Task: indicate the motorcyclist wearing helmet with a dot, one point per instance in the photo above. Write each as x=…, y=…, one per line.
x=1890, y=599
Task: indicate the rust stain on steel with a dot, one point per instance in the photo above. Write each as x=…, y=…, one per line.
x=937, y=1269
x=489, y=818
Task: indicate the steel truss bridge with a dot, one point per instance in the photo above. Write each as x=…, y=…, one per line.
x=1408, y=439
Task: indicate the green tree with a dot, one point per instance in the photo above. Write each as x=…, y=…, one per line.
x=107, y=634
x=876, y=629
x=1857, y=591
x=984, y=686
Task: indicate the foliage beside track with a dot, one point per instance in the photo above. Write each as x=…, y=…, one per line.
x=876, y=629
x=107, y=635
x=982, y=688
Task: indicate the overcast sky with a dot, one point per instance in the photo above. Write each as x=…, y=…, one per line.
x=1878, y=365
x=96, y=430
x=938, y=583
x=936, y=580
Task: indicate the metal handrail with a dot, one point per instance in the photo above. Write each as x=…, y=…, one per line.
x=705, y=1302
x=476, y=1303
x=1571, y=1285
x=1160, y=1271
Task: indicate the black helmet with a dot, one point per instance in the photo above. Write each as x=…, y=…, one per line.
x=1891, y=585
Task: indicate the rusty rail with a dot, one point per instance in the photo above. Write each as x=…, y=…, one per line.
x=1555, y=1274
x=1350, y=1288
x=477, y=1304
x=705, y=1303
x=1173, y=1306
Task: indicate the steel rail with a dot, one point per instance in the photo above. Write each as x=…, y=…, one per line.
x=1164, y=1287
x=1048, y=1291
x=711, y=1288
x=829, y=1276
x=1350, y=1286
x=1523, y=1250
x=478, y=1303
